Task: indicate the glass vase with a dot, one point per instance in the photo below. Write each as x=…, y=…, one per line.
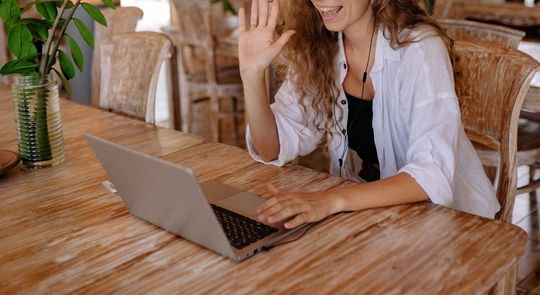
x=36, y=106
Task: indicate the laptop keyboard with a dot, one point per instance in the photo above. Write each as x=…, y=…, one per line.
x=240, y=230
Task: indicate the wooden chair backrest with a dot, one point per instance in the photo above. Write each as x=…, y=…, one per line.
x=196, y=38
x=459, y=29
x=491, y=84
x=121, y=20
x=130, y=66
x=194, y=22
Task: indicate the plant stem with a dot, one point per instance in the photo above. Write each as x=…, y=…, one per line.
x=45, y=53
x=43, y=142
x=61, y=34
x=29, y=5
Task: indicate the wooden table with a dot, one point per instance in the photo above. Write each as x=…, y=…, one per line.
x=60, y=232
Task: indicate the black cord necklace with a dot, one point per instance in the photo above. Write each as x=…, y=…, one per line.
x=364, y=80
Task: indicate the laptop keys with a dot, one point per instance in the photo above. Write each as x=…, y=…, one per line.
x=240, y=230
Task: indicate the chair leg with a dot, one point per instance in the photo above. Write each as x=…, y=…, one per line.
x=532, y=172
x=235, y=118
x=533, y=184
x=214, y=119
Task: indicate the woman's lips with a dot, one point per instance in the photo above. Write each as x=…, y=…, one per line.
x=329, y=12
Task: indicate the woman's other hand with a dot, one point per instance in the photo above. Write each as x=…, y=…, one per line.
x=256, y=45
x=300, y=207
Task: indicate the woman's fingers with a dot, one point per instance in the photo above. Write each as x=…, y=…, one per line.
x=288, y=210
x=272, y=21
x=242, y=19
x=264, y=206
x=298, y=220
x=272, y=189
x=283, y=39
x=263, y=16
x=254, y=13
x=276, y=206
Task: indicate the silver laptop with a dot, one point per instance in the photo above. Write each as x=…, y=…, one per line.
x=212, y=214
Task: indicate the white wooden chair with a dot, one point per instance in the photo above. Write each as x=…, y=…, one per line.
x=121, y=20
x=129, y=70
x=195, y=34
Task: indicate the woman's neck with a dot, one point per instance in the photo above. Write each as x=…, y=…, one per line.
x=357, y=34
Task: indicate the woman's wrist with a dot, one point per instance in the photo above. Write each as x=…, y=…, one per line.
x=337, y=202
x=252, y=74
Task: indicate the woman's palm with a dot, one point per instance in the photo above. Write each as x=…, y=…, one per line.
x=256, y=46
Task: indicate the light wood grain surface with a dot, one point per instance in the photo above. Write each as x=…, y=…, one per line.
x=61, y=233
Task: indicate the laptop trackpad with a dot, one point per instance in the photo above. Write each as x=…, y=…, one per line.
x=215, y=190
x=242, y=203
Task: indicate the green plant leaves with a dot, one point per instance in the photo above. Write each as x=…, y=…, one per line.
x=84, y=31
x=94, y=13
x=109, y=3
x=47, y=10
x=65, y=65
x=20, y=41
x=10, y=12
x=39, y=28
x=69, y=4
x=76, y=52
x=19, y=66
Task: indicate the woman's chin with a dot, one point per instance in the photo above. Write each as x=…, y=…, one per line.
x=333, y=26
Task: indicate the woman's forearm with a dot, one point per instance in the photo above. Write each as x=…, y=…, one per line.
x=260, y=118
x=394, y=190
x=302, y=207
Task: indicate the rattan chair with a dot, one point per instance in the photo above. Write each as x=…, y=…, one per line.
x=491, y=85
x=130, y=66
x=121, y=20
x=528, y=146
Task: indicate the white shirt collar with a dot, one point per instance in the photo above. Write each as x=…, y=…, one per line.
x=383, y=51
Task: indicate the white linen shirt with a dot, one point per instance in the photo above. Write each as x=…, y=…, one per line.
x=416, y=122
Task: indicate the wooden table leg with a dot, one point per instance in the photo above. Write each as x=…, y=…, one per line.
x=508, y=284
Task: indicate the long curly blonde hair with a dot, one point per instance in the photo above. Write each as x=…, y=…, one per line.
x=310, y=54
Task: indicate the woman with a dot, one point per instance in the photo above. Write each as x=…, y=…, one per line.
x=347, y=61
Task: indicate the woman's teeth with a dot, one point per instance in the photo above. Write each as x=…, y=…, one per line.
x=328, y=11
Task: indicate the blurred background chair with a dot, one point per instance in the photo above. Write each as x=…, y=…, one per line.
x=491, y=85
x=121, y=20
x=460, y=29
x=494, y=11
x=129, y=70
x=196, y=36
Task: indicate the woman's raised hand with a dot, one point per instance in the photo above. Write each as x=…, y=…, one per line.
x=256, y=46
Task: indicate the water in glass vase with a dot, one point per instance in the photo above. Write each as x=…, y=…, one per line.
x=36, y=107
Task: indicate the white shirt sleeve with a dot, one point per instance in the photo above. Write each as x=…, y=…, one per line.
x=430, y=111
x=295, y=138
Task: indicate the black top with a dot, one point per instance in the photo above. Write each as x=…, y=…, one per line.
x=360, y=129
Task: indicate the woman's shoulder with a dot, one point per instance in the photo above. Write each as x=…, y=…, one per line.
x=426, y=43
